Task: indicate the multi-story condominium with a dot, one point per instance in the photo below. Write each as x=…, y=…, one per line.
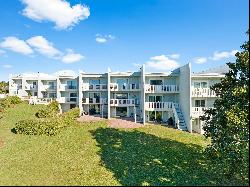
x=142, y=96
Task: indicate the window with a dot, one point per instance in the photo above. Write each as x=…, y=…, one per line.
x=199, y=103
x=94, y=81
x=122, y=83
x=72, y=84
x=52, y=95
x=155, y=98
x=35, y=93
x=52, y=85
x=121, y=96
x=73, y=94
x=200, y=85
x=156, y=82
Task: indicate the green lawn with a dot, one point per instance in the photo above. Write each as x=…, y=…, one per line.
x=92, y=154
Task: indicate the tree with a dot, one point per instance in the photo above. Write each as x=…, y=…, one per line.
x=4, y=87
x=227, y=124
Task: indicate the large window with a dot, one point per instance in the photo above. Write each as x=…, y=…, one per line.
x=52, y=85
x=155, y=98
x=200, y=84
x=156, y=82
x=199, y=103
x=72, y=84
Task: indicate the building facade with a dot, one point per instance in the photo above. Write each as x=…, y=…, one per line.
x=178, y=97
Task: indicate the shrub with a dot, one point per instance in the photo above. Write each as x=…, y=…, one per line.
x=48, y=127
x=50, y=110
x=70, y=116
x=54, y=106
x=14, y=100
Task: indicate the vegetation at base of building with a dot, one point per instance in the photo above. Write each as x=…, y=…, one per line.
x=95, y=155
x=49, y=121
x=8, y=102
x=4, y=87
x=70, y=116
x=228, y=124
x=48, y=127
x=50, y=110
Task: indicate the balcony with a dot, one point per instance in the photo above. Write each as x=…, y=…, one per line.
x=203, y=92
x=161, y=88
x=67, y=100
x=94, y=101
x=30, y=87
x=127, y=87
x=48, y=88
x=94, y=87
x=198, y=111
x=159, y=106
x=64, y=87
x=122, y=102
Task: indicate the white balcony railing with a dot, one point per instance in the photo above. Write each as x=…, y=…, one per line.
x=203, y=92
x=67, y=100
x=126, y=87
x=94, y=101
x=122, y=102
x=158, y=106
x=30, y=87
x=161, y=88
x=64, y=87
x=94, y=87
x=198, y=111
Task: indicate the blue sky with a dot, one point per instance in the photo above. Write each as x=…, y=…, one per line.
x=92, y=35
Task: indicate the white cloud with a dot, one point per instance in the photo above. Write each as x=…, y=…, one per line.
x=71, y=57
x=174, y=56
x=162, y=62
x=103, y=38
x=223, y=54
x=16, y=45
x=200, y=60
x=43, y=46
x=58, y=11
x=7, y=66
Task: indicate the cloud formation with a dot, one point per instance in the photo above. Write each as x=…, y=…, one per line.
x=14, y=44
x=200, y=60
x=44, y=47
x=59, y=12
x=162, y=62
x=223, y=54
x=103, y=38
x=41, y=45
x=71, y=57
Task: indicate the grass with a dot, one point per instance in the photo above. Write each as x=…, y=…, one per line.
x=92, y=154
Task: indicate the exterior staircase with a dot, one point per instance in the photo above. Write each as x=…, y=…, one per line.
x=182, y=125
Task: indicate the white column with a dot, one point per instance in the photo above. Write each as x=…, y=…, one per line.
x=80, y=95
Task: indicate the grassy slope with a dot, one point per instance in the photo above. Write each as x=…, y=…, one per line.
x=96, y=155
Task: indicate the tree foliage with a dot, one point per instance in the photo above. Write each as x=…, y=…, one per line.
x=4, y=87
x=227, y=124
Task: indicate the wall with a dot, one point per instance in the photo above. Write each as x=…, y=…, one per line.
x=185, y=94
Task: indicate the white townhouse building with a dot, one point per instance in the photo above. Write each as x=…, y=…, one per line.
x=142, y=96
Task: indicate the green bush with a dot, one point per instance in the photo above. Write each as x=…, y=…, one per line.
x=70, y=116
x=13, y=100
x=48, y=127
x=50, y=110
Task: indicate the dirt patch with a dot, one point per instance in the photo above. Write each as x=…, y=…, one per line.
x=122, y=123
x=87, y=118
x=113, y=123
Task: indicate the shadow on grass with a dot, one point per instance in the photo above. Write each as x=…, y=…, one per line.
x=137, y=158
